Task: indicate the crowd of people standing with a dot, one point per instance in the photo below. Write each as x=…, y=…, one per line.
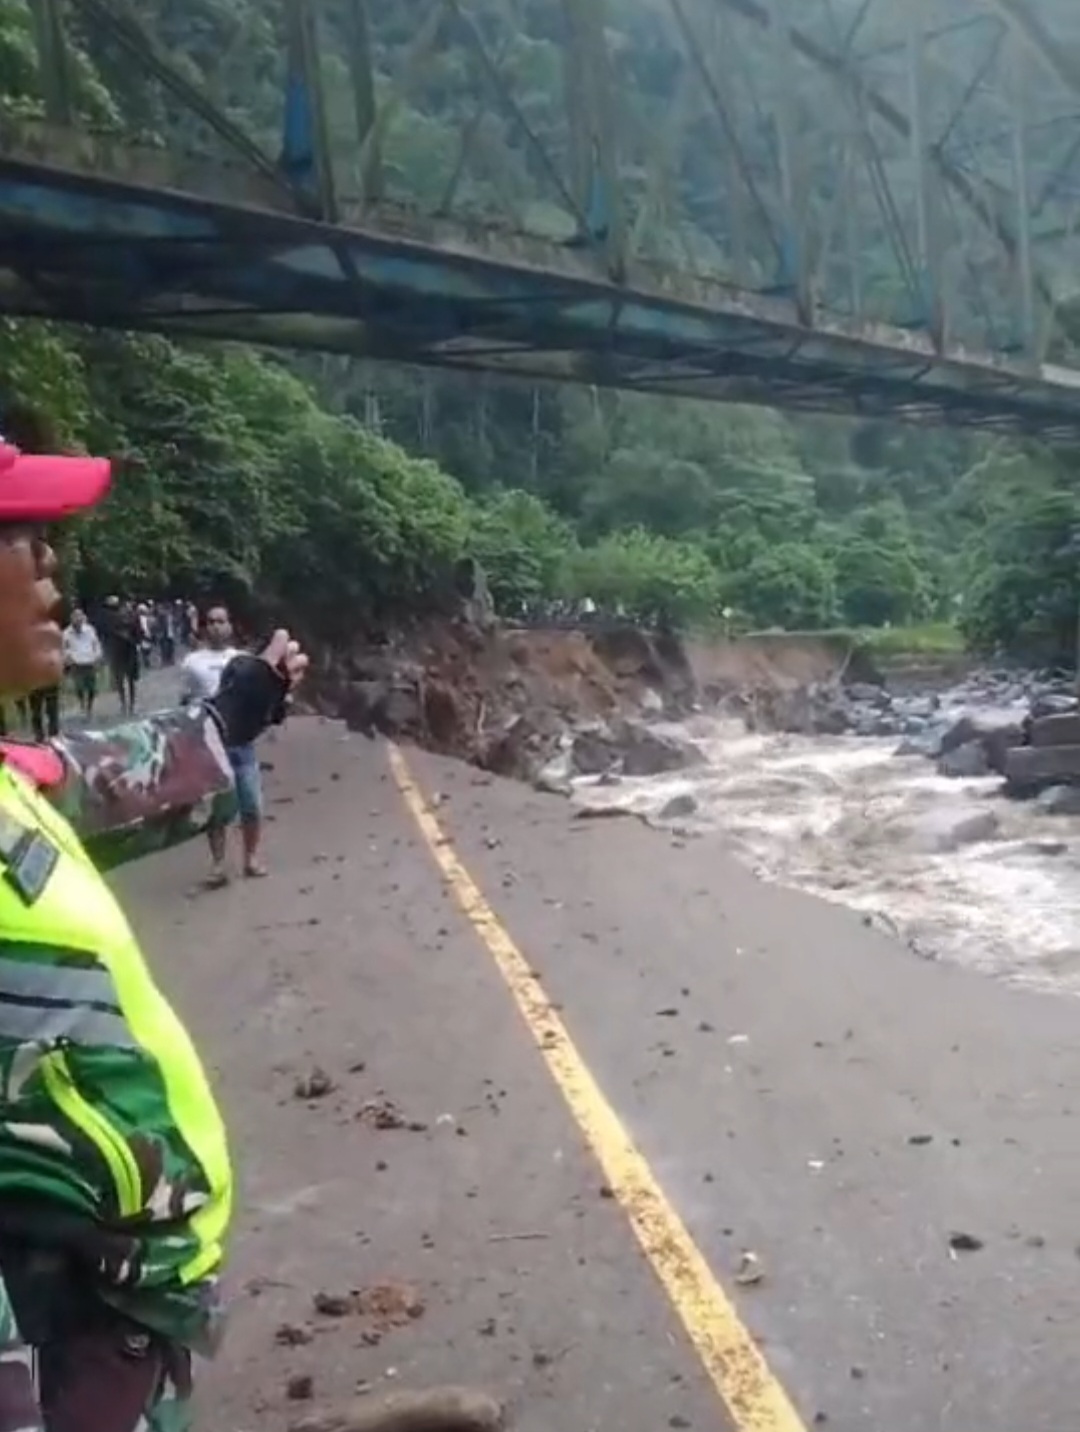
x=124, y=638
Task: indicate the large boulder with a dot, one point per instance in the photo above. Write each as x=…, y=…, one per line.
x=996, y=732
x=964, y=761
x=392, y=707
x=1053, y=703
x=1059, y=800
x=554, y=777
x=868, y=694
x=678, y=807
x=593, y=750
x=518, y=748
x=648, y=752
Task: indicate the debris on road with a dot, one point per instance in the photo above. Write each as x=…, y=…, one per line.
x=380, y=1114
x=390, y=1305
x=385, y=1305
x=332, y=1305
x=919, y=1140
x=292, y=1335
x=315, y=1085
x=750, y=1272
x=964, y=1243
x=300, y=1387
x=383, y=1113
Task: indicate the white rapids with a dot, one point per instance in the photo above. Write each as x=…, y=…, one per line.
x=958, y=871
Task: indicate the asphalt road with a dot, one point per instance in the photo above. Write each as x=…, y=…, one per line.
x=798, y=1087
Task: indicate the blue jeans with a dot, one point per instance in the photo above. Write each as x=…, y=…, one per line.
x=245, y=763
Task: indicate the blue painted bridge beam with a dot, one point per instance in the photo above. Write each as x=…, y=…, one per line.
x=106, y=252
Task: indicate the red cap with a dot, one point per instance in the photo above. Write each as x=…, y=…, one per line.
x=44, y=489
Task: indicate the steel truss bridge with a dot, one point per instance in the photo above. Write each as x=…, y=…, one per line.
x=846, y=206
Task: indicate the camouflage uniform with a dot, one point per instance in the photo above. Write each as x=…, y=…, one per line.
x=136, y=788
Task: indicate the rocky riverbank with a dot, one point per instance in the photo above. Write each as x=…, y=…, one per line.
x=966, y=729
x=816, y=773
x=553, y=706
x=948, y=862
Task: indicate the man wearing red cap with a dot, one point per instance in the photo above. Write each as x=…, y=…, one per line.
x=115, y=1181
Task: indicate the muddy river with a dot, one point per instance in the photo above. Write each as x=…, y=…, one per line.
x=956, y=870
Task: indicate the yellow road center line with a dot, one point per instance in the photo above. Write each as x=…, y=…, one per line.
x=740, y=1374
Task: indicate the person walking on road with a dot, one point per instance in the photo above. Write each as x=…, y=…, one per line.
x=82, y=657
x=120, y=635
x=115, y=1176
x=200, y=675
x=45, y=712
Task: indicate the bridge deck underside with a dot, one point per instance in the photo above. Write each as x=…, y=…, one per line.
x=76, y=246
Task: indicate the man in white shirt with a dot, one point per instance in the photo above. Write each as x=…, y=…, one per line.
x=82, y=656
x=200, y=675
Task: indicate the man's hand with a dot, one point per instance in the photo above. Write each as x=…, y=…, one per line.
x=255, y=690
x=285, y=656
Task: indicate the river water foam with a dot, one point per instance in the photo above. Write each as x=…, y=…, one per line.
x=847, y=819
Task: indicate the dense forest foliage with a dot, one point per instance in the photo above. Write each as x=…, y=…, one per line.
x=353, y=489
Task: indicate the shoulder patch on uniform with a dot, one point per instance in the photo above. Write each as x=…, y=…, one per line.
x=28, y=858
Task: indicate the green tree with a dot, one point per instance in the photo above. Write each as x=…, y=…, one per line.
x=1024, y=591
x=648, y=577
x=791, y=585
x=523, y=547
x=880, y=575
